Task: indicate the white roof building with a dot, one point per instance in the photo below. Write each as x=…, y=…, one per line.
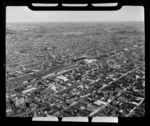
x=90, y=60
x=62, y=77
x=98, y=102
x=28, y=90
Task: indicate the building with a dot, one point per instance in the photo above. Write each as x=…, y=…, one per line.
x=62, y=77
x=20, y=101
x=28, y=90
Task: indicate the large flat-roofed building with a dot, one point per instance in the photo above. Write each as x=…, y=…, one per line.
x=62, y=77
x=28, y=90
x=49, y=75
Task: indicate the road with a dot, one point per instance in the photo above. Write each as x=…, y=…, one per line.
x=28, y=112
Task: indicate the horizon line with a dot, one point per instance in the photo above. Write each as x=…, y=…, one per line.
x=71, y=21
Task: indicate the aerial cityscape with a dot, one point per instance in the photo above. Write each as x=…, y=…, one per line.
x=75, y=69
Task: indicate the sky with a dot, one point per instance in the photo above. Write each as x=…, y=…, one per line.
x=24, y=14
